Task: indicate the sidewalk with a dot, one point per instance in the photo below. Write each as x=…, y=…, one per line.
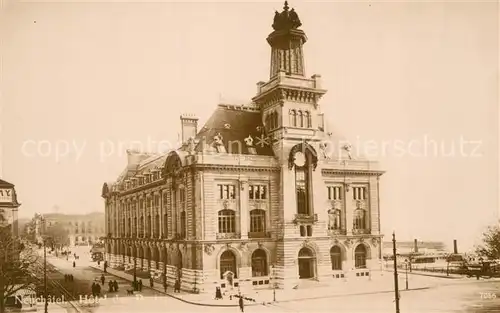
x=378, y=284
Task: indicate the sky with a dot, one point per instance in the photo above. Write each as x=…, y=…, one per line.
x=82, y=82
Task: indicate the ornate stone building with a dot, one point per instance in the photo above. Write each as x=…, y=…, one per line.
x=9, y=206
x=263, y=193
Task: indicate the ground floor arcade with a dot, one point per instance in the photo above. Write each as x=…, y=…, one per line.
x=250, y=264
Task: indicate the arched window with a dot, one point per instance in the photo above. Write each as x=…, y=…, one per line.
x=148, y=229
x=183, y=224
x=257, y=221
x=360, y=256
x=157, y=226
x=165, y=226
x=293, y=118
x=228, y=263
x=359, y=219
x=301, y=119
x=307, y=118
x=259, y=263
x=141, y=227
x=301, y=189
x=336, y=258
x=227, y=221
x=335, y=216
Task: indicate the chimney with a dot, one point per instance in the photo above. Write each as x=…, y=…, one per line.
x=416, y=246
x=189, y=126
x=455, y=248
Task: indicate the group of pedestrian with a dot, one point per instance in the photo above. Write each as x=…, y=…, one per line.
x=68, y=277
x=96, y=289
x=113, y=286
x=137, y=285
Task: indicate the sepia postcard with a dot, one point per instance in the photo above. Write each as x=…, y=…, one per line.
x=249, y=156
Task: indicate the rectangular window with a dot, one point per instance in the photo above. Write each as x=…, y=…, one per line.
x=359, y=193
x=257, y=192
x=334, y=193
x=227, y=191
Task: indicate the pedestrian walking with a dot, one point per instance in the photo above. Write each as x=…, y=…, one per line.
x=74, y=264
x=115, y=285
x=98, y=262
x=103, y=279
x=98, y=290
x=71, y=277
x=165, y=286
x=177, y=286
x=110, y=286
x=151, y=282
x=105, y=266
x=140, y=284
x=241, y=303
x=94, y=290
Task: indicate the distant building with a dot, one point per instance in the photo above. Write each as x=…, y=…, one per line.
x=9, y=206
x=404, y=248
x=84, y=229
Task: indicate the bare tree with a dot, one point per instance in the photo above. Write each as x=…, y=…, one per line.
x=491, y=243
x=17, y=266
x=57, y=236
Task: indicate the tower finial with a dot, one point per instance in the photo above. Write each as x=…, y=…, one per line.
x=285, y=7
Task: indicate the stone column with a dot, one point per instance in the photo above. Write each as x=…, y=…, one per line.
x=244, y=215
x=349, y=207
x=288, y=196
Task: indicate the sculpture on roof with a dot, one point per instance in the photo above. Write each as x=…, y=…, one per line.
x=286, y=20
x=219, y=144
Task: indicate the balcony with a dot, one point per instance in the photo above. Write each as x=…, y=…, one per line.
x=259, y=234
x=336, y=232
x=305, y=218
x=360, y=231
x=228, y=236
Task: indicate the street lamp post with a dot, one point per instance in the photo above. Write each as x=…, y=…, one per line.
x=44, y=239
x=406, y=267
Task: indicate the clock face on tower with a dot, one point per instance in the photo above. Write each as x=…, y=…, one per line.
x=300, y=159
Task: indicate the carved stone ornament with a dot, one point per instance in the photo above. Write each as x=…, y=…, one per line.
x=191, y=145
x=305, y=243
x=335, y=241
x=348, y=243
x=243, y=246
x=323, y=146
x=336, y=204
x=361, y=240
x=286, y=20
x=374, y=241
x=209, y=249
x=260, y=244
x=249, y=141
x=359, y=204
x=225, y=204
x=228, y=245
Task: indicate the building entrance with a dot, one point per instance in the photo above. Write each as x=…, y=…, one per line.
x=307, y=264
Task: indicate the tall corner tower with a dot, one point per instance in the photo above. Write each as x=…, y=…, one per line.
x=289, y=99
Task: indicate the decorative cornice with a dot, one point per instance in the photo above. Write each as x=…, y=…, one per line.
x=290, y=93
x=351, y=172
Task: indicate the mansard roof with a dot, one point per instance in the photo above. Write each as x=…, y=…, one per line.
x=234, y=123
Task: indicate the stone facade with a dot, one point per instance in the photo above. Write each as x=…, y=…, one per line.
x=265, y=194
